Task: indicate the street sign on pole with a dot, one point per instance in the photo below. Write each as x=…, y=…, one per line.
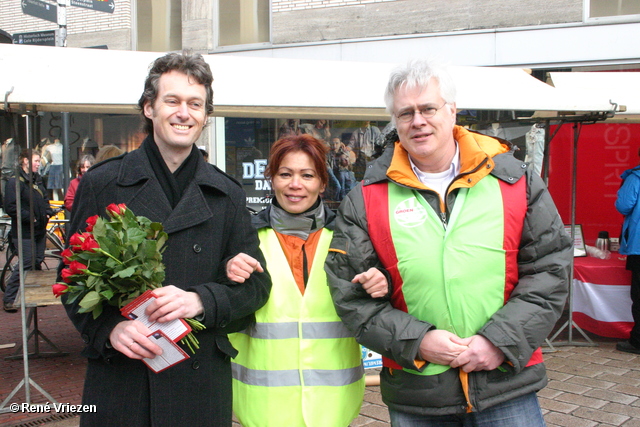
x=41, y=38
x=40, y=9
x=103, y=6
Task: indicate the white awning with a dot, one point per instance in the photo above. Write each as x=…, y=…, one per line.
x=107, y=81
x=623, y=88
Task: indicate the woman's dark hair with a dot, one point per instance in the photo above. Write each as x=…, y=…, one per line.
x=85, y=158
x=305, y=143
x=191, y=64
x=24, y=154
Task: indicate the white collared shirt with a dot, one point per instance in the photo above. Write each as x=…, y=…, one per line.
x=439, y=181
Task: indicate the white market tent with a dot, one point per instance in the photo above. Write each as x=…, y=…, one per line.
x=622, y=88
x=103, y=81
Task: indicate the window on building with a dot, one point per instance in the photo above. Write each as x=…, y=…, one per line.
x=159, y=25
x=243, y=22
x=350, y=145
x=611, y=8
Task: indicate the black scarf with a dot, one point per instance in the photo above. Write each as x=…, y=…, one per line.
x=174, y=183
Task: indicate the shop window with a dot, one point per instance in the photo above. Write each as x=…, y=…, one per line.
x=599, y=9
x=351, y=145
x=243, y=22
x=159, y=25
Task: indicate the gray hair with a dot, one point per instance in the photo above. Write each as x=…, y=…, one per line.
x=417, y=73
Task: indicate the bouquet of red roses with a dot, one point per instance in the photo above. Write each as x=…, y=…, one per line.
x=114, y=261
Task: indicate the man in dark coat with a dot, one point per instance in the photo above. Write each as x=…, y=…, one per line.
x=203, y=212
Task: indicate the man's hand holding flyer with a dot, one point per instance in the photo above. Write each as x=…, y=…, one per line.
x=165, y=334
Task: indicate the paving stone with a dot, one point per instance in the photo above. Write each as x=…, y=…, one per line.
x=622, y=409
x=601, y=416
x=549, y=393
x=627, y=389
x=621, y=379
x=555, y=375
x=568, y=387
x=377, y=412
x=591, y=358
x=565, y=420
x=557, y=406
x=611, y=396
x=579, y=400
x=591, y=383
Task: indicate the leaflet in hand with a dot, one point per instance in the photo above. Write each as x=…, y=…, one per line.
x=171, y=353
x=164, y=334
x=135, y=310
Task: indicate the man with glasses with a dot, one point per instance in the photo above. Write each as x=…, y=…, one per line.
x=476, y=258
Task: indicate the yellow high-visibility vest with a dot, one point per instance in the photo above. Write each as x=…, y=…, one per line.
x=298, y=365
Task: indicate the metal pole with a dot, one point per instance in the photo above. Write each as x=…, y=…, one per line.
x=61, y=32
x=23, y=308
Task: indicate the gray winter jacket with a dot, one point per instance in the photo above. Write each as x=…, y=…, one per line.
x=517, y=329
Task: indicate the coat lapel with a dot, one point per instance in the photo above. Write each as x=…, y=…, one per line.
x=141, y=191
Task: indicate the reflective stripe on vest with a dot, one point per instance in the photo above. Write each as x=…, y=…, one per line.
x=311, y=331
x=297, y=365
x=291, y=377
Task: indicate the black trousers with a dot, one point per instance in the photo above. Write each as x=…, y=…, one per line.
x=633, y=264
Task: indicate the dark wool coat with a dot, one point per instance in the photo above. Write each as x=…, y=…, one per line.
x=209, y=225
x=41, y=209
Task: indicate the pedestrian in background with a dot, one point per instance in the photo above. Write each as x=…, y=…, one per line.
x=626, y=204
x=33, y=198
x=85, y=162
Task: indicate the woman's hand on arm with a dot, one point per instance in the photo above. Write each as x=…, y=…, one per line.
x=240, y=267
x=373, y=281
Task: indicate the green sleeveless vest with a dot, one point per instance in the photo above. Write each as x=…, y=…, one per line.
x=298, y=365
x=450, y=275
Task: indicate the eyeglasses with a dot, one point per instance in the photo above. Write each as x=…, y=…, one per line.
x=425, y=112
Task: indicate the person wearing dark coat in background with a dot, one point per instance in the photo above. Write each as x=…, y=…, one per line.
x=203, y=212
x=41, y=213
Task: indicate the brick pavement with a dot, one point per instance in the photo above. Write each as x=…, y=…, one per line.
x=588, y=385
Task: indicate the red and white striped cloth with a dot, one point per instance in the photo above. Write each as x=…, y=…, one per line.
x=601, y=300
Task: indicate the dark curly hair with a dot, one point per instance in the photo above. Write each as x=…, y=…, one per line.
x=191, y=64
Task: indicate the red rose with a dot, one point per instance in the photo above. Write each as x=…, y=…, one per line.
x=66, y=255
x=91, y=221
x=66, y=274
x=89, y=244
x=59, y=289
x=76, y=239
x=116, y=210
x=76, y=267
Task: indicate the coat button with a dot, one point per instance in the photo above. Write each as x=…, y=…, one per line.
x=85, y=338
x=510, y=179
x=196, y=248
x=523, y=166
x=195, y=365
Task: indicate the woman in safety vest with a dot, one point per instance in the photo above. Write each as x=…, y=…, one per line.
x=297, y=365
